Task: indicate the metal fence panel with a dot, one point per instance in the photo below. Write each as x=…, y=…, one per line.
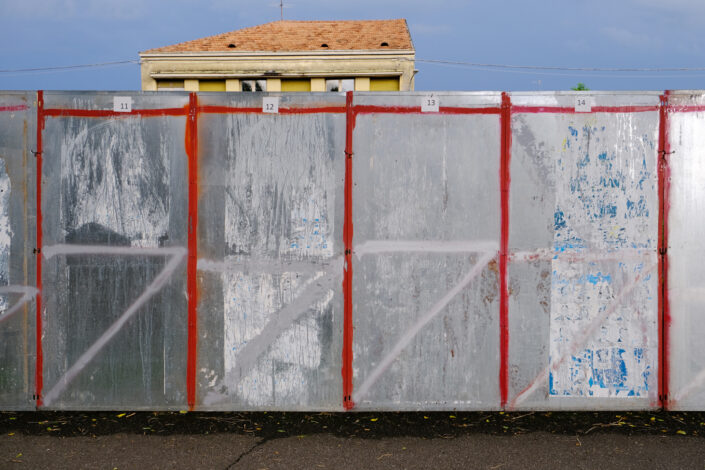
x=270, y=252
x=686, y=271
x=114, y=222
x=425, y=284
x=17, y=240
x=195, y=251
x=584, y=272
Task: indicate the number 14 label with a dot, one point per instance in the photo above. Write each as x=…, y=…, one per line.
x=430, y=104
x=583, y=104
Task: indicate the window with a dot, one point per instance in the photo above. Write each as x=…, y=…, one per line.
x=170, y=85
x=340, y=84
x=296, y=85
x=211, y=85
x=384, y=84
x=253, y=85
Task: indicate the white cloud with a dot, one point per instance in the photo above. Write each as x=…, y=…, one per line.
x=688, y=8
x=631, y=39
x=74, y=9
x=429, y=29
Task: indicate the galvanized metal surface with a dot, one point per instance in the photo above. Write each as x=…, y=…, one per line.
x=194, y=251
x=17, y=230
x=686, y=270
x=584, y=275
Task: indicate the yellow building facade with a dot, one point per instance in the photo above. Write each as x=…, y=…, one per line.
x=369, y=55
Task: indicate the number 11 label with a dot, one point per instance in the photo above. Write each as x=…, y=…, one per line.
x=430, y=104
x=122, y=104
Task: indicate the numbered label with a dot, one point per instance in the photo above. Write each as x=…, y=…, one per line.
x=430, y=104
x=122, y=104
x=270, y=104
x=583, y=104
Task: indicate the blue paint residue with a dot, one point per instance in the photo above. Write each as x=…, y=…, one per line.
x=605, y=368
x=558, y=220
x=609, y=369
x=637, y=209
x=603, y=187
x=570, y=245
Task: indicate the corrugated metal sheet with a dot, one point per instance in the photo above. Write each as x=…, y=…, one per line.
x=504, y=251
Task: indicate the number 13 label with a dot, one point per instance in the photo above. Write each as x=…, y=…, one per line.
x=430, y=104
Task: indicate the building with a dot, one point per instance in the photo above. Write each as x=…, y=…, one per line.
x=369, y=55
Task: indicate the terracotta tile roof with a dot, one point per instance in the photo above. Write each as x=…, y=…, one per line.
x=288, y=36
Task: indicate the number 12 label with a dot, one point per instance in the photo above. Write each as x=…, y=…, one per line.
x=270, y=104
x=430, y=104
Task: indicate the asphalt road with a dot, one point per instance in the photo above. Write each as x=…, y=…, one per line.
x=330, y=441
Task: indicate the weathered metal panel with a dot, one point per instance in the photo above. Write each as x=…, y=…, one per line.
x=17, y=262
x=686, y=270
x=119, y=211
x=583, y=275
x=114, y=202
x=425, y=286
x=270, y=252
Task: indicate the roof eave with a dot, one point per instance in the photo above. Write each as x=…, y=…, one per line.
x=163, y=55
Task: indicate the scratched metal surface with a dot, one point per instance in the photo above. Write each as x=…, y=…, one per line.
x=583, y=284
x=114, y=201
x=685, y=253
x=17, y=239
x=270, y=255
x=583, y=279
x=425, y=285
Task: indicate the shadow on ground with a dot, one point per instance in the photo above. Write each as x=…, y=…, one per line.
x=362, y=425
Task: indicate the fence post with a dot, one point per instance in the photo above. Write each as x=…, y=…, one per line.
x=504, y=180
x=664, y=320
x=39, y=364
x=192, y=263
x=347, y=266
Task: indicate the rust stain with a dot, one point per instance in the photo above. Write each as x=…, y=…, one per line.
x=492, y=266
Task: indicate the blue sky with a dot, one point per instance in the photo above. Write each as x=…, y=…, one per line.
x=588, y=33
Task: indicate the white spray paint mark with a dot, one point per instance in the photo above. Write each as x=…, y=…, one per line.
x=5, y=230
x=176, y=256
x=409, y=334
x=686, y=391
x=28, y=293
x=50, y=251
x=263, y=266
x=374, y=247
x=109, y=164
x=580, y=341
x=247, y=346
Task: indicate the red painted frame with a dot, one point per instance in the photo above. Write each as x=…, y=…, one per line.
x=504, y=111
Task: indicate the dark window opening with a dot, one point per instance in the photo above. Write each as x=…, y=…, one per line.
x=231, y=45
x=385, y=44
x=253, y=85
